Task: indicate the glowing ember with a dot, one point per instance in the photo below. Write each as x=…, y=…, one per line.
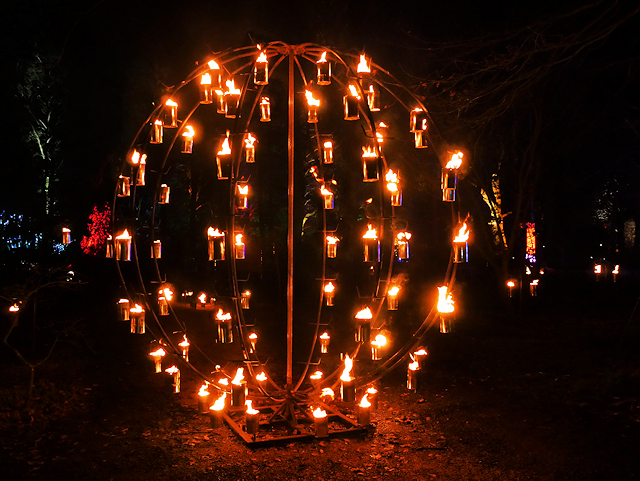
x=455, y=162
x=250, y=409
x=369, y=152
x=172, y=370
x=414, y=366
x=365, y=401
x=249, y=141
x=372, y=390
x=616, y=270
x=379, y=341
x=239, y=377
x=364, y=66
x=346, y=373
x=319, y=413
x=445, y=300
x=371, y=233
x=327, y=393
x=261, y=377
x=239, y=239
x=204, y=392
x=311, y=100
x=364, y=314
x=158, y=352
x=316, y=376
x=329, y=287
x=219, y=404
x=14, y=308
x=353, y=91
x=225, y=148
x=188, y=132
x=211, y=232
x=463, y=234
x=125, y=235
x=511, y=284
x=202, y=298
x=393, y=291
x=222, y=316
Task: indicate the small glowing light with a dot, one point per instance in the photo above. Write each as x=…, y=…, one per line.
x=225, y=148
x=188, y=132
x=319, y=413
x=348, y=366
x=219, y=404
x=371, y=233
x=379, y=341
x=239, y=377
x=261, y=377
x=364, y=66
x=222, y=316
x=364, y=314
x=445, y=300
x=365, y=401
x=316, y=376
x=311, y=100
x=463, y=234
x=455, y=162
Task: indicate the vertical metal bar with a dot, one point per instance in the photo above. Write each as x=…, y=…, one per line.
x=290, y=227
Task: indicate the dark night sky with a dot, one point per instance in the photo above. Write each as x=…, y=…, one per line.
x=116, y=56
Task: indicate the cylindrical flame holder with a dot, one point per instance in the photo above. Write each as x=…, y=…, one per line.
x=364, y=416
x=376, y=353
x=137, y=323
x=232, y=101
x=323, y=76
x=403, y=250
x=225, y=332
x=328, y=297
x=124, y=186
x=174, y=382
x=449, y=184
x=207, y=93
x=373, y=100
x=351, y=108
x=216, y=418
x=328, y=200
x=170, y=116
x=238, y=394
x=140, y=174
x=446, y=324
x=156, y=249
x=123, y=309
x=224, y=166
x=420, y=139
x=396, y=198
x=109, y=248
x=187, y=146
x=412, y=379
x=417, y=121
x=216, y=248
x=221, y=102
x=261, y=73
x=163, y=307
x=240, y=251
x=244, y=300
x=265, y=110
x=370, y=169
x=373, y=399
x=250, y=154
x=204, y=404
x=321, y=426
x=252, y=423
x=371, y=249
x=460, y=252
x=533, y=288
x=363, y=334
x=156, y=133
x=312, y=115
x=324, y=345
x=123, y=249
x=392, y=303
x=348, y=390
x=332, y=250
x=163, y=194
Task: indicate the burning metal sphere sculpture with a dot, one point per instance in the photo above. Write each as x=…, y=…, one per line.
x=240, y=130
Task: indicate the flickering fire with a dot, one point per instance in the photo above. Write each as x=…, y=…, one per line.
x=125, y=235
x=250, y=409
x=158, y=352
x=66, y=229
x=379, y=341
x=261, y=377
x=243, y=189
x=455, y=162
x=211, y=232
x=328, y=144
x=185, y=342
x=369, y=152
x=135, y=157
x=262, y=58
x=205, y=79
x=316, y=376
x=353, y=91
x=445, y=300
x=167, y=293
x=403, y=236
x=511, y=284
x=325, y=335
x=253, y=336
x=311, y=100
x=225, y=148
x=597, y=269
x=213, y=65
x=393, y=291
x=171, y=103
x=14, y=308
x=231, y=88
x=535, y=282
x=219, y=404
x=372, y=390
x=364, y=314
x=323, y=58
x=365, y=401
x=414, y=366
x=616, y=270
x=319, y=413
x=364, y=66
x=348, y=366
x=379, y=137
x=237, y=380
x=204, y=390
x=188, y=132
x=172, y=370
x=371, y=233
x=332, y=239
x=463, y=234
x=250, y=140
x=224, y=381
x=222, y=316
x=421, y=352
x=392, y=179
x=137, y=309
x=325, y=191
x=239, y=239
x=329, y=287
x=327, y=394
x=265, y=101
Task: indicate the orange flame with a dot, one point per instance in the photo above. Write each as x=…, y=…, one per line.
x=239, y=239
x=250, y=409
x=369, y=152
x=213, y=65
x=316, y=376
x=319, y=413
x=204, y=390
x=364, y=314
x=353, y=91
x=205, y=79
x=250, y=140
x=185, y=342
x=445, y=300
x=329, y=287
x=327, y=392
x=158, y=352
x=211, y=232
x=262, y=58
x=239, y=377
x=403, y=236
x=463, y=234
x=311, y=100
x=379, y=341
x=261, y=377
x=393, y=291
x=222, y=316
x=348, y=366
x=172, y=370
x=188, y=132
x=219, y=404
x=225, y=148
x=325, y=335
x=456, y=161
x=365, y=401
x=414, y=366
x=125, y=235
x=171, y=103
x=597, y=269
x=323, y=58
x=371, y=233
x=332, y=239
x=372, y=390
x=231, y=88
x=364, y=66
x=14, y=308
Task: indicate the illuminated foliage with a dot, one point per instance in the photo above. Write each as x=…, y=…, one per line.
x=99, y=230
